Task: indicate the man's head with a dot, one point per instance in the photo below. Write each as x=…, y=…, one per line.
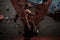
x=28, y=6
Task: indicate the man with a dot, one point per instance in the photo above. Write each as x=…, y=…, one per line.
x=29, y=24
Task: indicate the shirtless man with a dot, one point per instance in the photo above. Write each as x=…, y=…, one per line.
x=29, y=24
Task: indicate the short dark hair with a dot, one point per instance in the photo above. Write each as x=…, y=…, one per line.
x=27, y=7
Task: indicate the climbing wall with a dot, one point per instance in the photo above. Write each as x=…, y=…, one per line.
x=55, y=5
x=41, y=10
